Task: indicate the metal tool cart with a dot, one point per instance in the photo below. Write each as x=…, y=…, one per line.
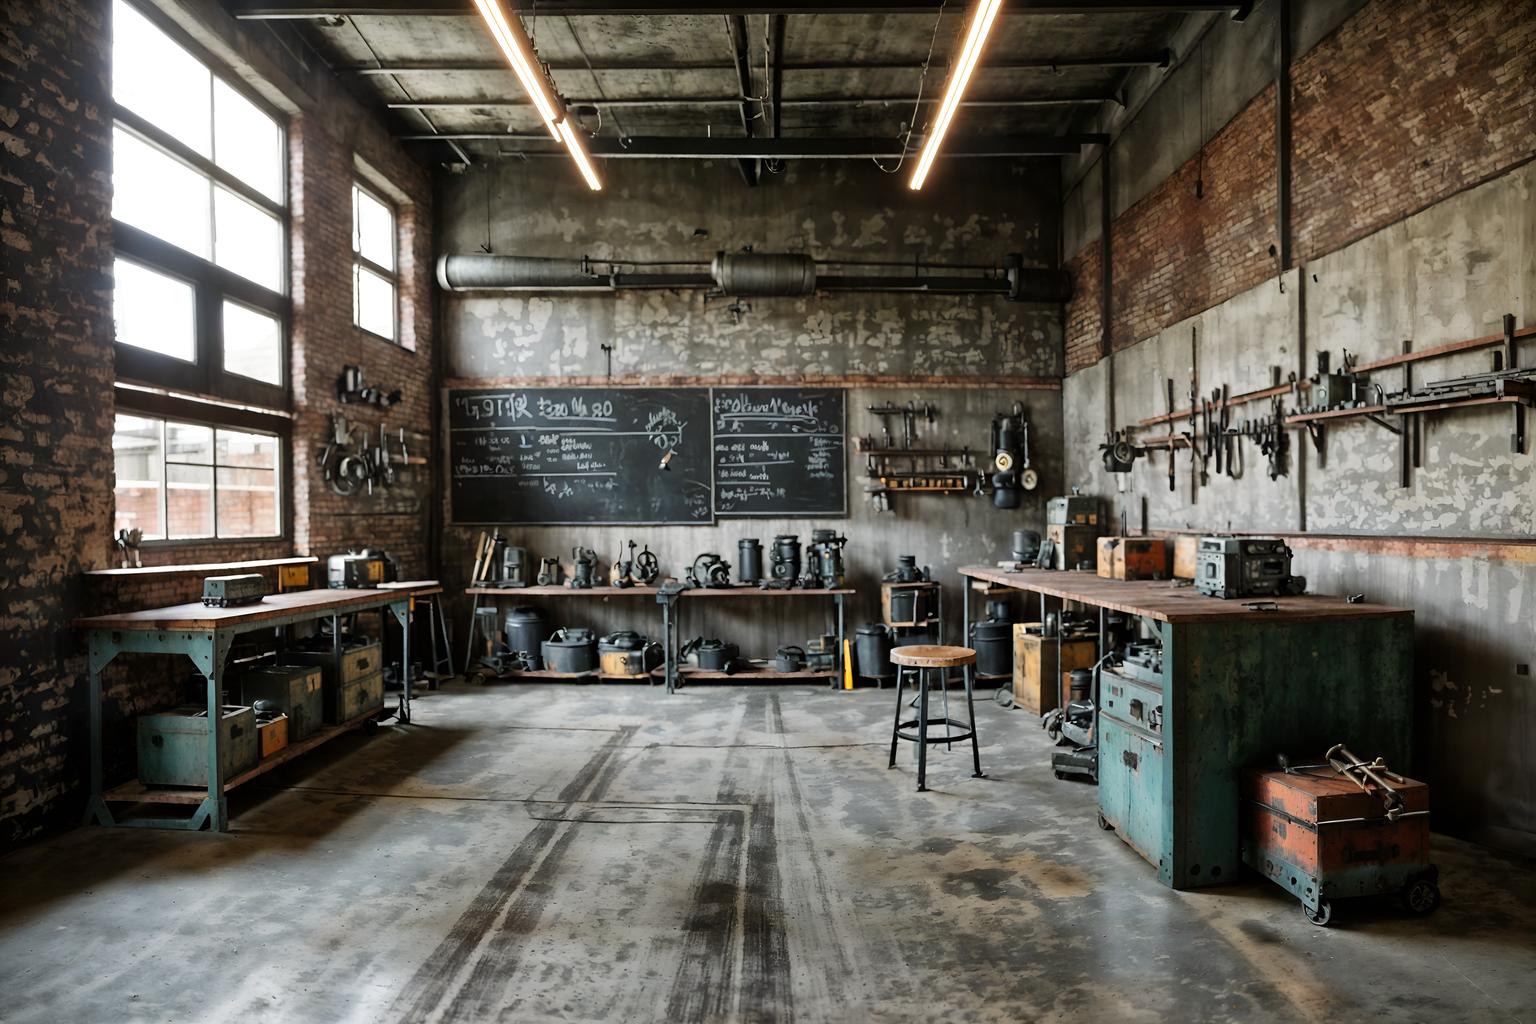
x=1237, y=682
x=205, y=635
x=478, y=596
x=669, y=596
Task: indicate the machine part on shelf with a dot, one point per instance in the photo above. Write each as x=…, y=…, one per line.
x=789, y=658
x=1230, y=567
x=872, y=649
x=714, y=655
x=526, y=629
x=709, y=570
x=824, y=568
x=749, y=561
x=364, y=569
x=1143, y=659
x=999, y=610
x=583, y=569
x=907, y=571
x=621, y=572
x=627, y=653
x=821, y=653
x=571, y=650
x=550, y=573
x=1073, y=510
x=512, y=566
x=915, y=605
x=232, y=591
x=785, y=562
x=647, y=568
x=1047, y=559
x=885, y=412
x=1366, y=774
x=350, y=389
x=128, y=542
x=1118, y=453
x=1011, y=472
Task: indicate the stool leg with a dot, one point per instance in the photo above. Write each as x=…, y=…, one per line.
x=944, y=682
x=970, y=671
x=896, y=729
x=922, y=730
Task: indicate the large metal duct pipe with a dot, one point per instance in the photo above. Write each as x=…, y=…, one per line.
x=764, y=273
x=745, y=274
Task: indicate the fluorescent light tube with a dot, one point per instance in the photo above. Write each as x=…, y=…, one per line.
x=970, y=56
x=507, y=29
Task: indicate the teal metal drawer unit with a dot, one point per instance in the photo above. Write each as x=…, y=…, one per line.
x=173, y=746
x=296, y=689
x=1231, y=695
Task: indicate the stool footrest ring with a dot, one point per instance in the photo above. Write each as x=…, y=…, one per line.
x=966, y=731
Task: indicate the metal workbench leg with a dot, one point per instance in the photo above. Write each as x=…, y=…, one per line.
x=666, y=646
x=469, y=643
x=842, y=642
x=101, y=653
x=215, y=809
x=402, y=613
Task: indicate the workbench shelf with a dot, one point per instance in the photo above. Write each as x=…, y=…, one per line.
x=136, y=792
x=478, y=595
x=671, y=627
x=755, y=672
x=485, y=676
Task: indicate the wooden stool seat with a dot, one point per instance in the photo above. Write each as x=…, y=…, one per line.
x=932, y=656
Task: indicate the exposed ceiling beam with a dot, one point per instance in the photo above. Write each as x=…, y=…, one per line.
x=821, y=148
x=737, y=101
x=279, y=9
x=1154, y=59
x=736, y=31
x=777, y=26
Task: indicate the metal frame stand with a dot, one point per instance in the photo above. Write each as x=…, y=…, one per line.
x=208, y=650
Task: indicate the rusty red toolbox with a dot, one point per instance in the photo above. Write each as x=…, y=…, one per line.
x=1321, y=837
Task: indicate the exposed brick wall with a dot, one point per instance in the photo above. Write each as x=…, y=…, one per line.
x=1175, y=255
x=1085, y=321
x=57, y=369
x=1409, y=102
x=56, y=375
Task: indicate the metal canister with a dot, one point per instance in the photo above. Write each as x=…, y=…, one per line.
x=527, y=628
x=786, y=557
x=993, y=641
x=749, y=560
x=1080, y=685
x=571, y=650
x=872, y=649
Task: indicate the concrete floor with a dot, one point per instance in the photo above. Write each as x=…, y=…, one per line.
x=606, y=853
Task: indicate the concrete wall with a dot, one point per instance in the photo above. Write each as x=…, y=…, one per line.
x=1442, y=275
x=650, y=211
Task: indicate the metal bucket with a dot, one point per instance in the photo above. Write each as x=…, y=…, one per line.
x=527, y=628
x=993, y=641
x=571, y=650
x=873, y=649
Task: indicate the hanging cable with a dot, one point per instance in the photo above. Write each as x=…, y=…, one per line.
x=917, y=104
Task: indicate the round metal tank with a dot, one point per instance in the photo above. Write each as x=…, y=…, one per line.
x=763, y=273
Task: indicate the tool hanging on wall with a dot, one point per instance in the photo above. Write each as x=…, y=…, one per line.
x=351, y=390
x=1118, y=453
x=349, y=462
x=1011, y=474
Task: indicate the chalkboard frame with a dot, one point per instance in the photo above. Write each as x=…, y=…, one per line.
x=706, y=479
x=842, y=426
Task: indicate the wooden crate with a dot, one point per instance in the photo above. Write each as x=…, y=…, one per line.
x=1133, y=558
x=273, y=735
x=1038, y=684
x=925, y=594
x=1185, y=557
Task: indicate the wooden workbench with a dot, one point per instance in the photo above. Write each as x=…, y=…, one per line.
x=1237, y=686
x=205, y=635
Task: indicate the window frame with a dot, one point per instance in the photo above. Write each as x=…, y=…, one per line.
x=211, y=283
x=171, y=409
x=359, y=260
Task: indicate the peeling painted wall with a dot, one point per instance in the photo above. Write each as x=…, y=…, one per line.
x=650, y=211
x=1445, y=274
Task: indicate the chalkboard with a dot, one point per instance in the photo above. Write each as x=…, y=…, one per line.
x=780, y=452
x=579, y=455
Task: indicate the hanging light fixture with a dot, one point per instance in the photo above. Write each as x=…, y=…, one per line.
x=507, y=29
x=970, y=56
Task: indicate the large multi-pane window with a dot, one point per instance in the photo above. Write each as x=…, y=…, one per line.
x=374, y=282
x=182, y=481
x=198, y=199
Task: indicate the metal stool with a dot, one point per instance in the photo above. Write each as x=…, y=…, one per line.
x=924, y=660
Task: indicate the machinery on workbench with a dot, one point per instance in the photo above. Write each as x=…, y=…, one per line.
x=916, y=469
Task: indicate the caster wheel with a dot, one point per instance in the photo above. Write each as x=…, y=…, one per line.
x=1420, y=897
x=1104, y=823
x=1321, y=916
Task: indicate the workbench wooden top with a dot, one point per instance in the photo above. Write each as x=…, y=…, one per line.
x=198, y=616
x=560, y=590
x=1175, y=601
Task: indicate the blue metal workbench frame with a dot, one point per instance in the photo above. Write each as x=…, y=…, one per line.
x=208, y=648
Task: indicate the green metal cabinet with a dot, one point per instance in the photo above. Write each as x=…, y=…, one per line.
x=1234, y=693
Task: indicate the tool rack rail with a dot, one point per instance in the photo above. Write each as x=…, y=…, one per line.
x=671, y=628
x=477, y=595
x=205, y=636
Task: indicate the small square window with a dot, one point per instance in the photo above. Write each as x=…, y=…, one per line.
x=249, y=240
x=246, y=142
x=373, y=230
x=158, y=80
x=375, y=294
x=253, y=343
x=154, y=191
